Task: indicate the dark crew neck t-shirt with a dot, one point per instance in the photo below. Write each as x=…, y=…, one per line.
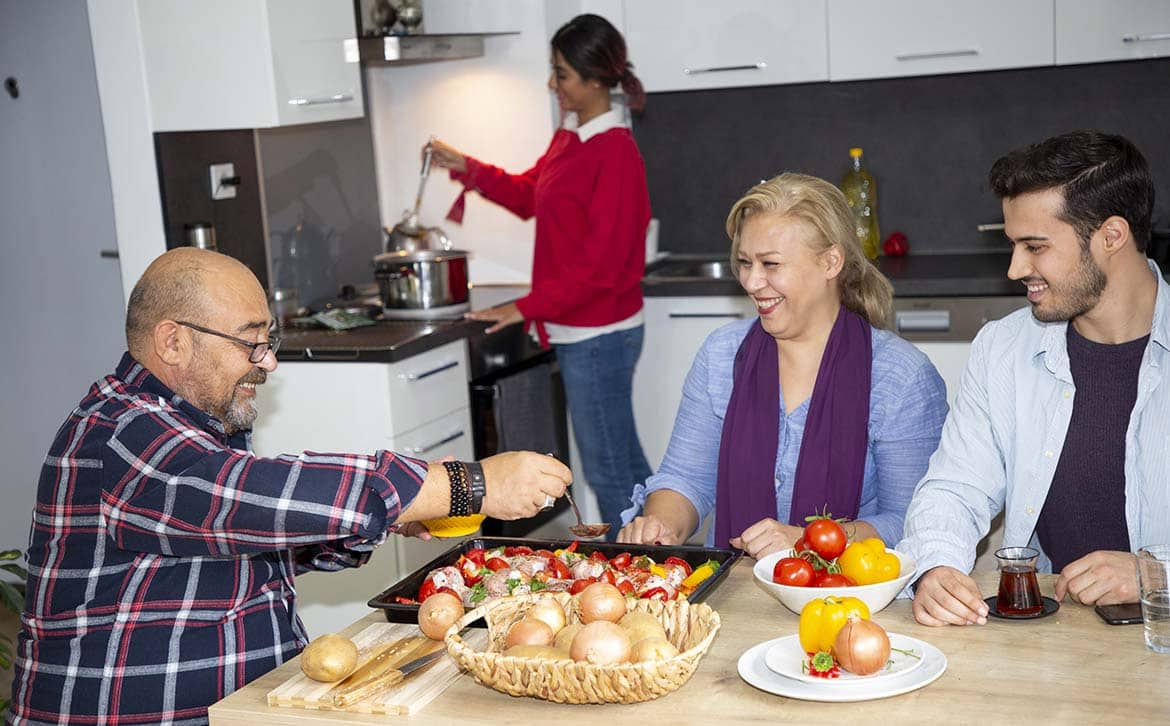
x=1085, y=508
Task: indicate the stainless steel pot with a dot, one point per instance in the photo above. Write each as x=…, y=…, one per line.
x=422, y=279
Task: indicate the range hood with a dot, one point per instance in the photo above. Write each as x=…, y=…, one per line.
x=409, y=49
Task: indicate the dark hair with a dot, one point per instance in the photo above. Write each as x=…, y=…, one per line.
x=595, y=49
x=1100, y=175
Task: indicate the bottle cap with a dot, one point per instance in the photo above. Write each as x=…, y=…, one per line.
x=855, y=152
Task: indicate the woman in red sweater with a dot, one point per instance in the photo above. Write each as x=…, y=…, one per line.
x=588, y=195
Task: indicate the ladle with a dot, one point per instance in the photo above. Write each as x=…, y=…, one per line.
x=587, y=531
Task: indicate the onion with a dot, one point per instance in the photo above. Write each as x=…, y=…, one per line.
x=329, y=658
x=601, y=601
x=529, y=631
x=549, y=611
x=601, y=643
x=862, y=647
x=652, y=648
x=438, y=613
x=565, y=636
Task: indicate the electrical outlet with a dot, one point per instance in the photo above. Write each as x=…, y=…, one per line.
x=219, y=173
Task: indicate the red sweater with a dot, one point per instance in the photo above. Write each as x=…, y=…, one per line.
x=591, y=207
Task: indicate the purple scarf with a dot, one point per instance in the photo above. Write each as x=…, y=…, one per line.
x=831, y=465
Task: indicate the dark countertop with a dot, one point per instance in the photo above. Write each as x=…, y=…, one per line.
x=389, y=341
x=973, y=275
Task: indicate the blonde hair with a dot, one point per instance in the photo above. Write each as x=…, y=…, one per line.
x=821, y=207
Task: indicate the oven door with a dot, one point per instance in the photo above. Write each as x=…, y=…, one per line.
x=521, y=408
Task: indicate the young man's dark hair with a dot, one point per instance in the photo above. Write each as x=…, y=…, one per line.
x=1100, y=175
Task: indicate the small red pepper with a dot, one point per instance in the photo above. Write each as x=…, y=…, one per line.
x=495, y=564
x=405, y=600
x=655, y=593
x=598, y=557
x=572, y=547
x=680, y=562
x=896, y=245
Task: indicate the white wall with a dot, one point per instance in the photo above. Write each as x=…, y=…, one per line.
x=496, y=108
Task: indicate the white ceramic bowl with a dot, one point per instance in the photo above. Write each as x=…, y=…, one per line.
x=875, y=596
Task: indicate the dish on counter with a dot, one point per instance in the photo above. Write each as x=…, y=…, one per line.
x=875, y=596
x=788, y=659
x=754, y=670
x=399, y=602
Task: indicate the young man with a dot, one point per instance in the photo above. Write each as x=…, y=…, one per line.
x=163, y=552
x=1062, y=418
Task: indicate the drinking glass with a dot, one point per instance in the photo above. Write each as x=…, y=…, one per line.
x=1019, y=592
x=1153, y=566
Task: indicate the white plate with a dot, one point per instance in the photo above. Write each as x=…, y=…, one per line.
x=787, y=658
x=755, y=671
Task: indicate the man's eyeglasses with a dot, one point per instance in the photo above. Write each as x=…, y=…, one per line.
x=257, y=350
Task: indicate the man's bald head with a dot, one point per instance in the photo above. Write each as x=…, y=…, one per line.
x=184, y=284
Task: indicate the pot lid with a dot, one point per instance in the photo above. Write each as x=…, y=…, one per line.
x=397, y=257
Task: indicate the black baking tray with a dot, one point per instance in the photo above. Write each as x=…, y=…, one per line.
x=408, y=586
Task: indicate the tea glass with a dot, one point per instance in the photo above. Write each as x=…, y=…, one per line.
x=1153, y=566
x=1019, y=591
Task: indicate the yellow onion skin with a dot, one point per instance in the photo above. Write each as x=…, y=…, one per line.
x=601, y=643
x=437, y=613
x=529, y=631
x=862, y=647
x=601, y=601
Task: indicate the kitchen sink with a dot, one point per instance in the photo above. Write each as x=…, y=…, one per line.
x=694, y=270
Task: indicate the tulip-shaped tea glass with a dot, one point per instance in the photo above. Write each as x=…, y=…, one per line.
x=1019, y=592
x=1154, y=583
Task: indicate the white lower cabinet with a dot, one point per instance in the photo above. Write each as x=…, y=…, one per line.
x=418, y=407
x=675, y=330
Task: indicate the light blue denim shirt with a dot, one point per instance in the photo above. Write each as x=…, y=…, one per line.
x=1004, y=436
x=907, y=406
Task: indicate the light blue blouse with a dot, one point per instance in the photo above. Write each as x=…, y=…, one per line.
x=907, y=406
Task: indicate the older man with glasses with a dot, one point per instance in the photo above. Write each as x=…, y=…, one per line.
x=163, y=552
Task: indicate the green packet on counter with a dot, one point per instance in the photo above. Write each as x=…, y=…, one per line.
x=337, y=319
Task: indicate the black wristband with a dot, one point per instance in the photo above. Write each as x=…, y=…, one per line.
x=477, y=485
x=460, y=496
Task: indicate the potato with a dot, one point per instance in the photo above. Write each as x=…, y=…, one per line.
x=565, y=636
x=544, y=652
x=651, y=649
x=641, y=625
x=329, y=658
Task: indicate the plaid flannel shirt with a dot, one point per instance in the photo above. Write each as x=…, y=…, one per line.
x=162, y=555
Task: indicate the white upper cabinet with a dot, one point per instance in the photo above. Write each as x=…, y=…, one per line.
x=678, y=45
x=1090, y=31
x=229, y=64
x=869, y=39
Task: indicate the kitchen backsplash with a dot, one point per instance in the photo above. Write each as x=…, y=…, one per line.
x=929, y=141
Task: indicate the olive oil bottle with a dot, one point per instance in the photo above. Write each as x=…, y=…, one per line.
x=861, y=192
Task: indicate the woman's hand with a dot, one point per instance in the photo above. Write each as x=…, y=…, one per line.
x=447, y=156
x=648, y=529
x=765, y=537
x=502, y=316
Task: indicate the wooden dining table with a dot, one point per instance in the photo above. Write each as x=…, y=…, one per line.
x=1068, y=667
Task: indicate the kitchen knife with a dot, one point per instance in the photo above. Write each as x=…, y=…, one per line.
x=379, y=675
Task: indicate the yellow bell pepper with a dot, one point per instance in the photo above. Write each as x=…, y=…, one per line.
x=867, y=562
x=823, y=618
x=700, y=573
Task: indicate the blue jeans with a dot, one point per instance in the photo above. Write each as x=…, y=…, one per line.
x=598, y=375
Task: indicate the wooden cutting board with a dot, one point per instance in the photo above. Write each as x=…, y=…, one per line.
x=405, y=699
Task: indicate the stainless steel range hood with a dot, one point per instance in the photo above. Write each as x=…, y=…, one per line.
x=410, y=49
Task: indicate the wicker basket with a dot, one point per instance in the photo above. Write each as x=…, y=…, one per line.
x=691, y=628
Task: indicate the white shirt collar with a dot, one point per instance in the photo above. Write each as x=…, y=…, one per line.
x=613, y=118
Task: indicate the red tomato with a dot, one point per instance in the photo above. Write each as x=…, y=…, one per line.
x=621, y=561
x=607, y=576
x=800, y=545
x=543, y=553
x=518, y=550
x=680, y=562
x=428, y=588
x=655, y=593
x=475, y=554
x=625, y=587
x=558, y=569
x=826, y=538
x=833, y=579
x=793, y=571
x=495, y=564
x=597, y=557
x=579, y=585
x=469, y=569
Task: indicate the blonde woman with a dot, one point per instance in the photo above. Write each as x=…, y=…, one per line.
x=811, y=406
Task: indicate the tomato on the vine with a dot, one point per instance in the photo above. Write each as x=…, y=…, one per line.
x=832, y=579
x=793, y=571
x=826, y=538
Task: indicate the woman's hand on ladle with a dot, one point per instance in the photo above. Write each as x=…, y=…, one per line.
x=446, y=156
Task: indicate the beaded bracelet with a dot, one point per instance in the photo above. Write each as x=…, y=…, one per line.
x=478, y=485
x=460, y=496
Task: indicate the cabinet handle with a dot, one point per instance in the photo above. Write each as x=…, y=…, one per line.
x=108, y=254
x=1143, y=37
x=339, y=355
x=722, y=69
x=928, y=54
x=321, y=100
x=992, y=227
x=674, y=316
x=430, y=447
x=426, y=374
x=923, y=321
